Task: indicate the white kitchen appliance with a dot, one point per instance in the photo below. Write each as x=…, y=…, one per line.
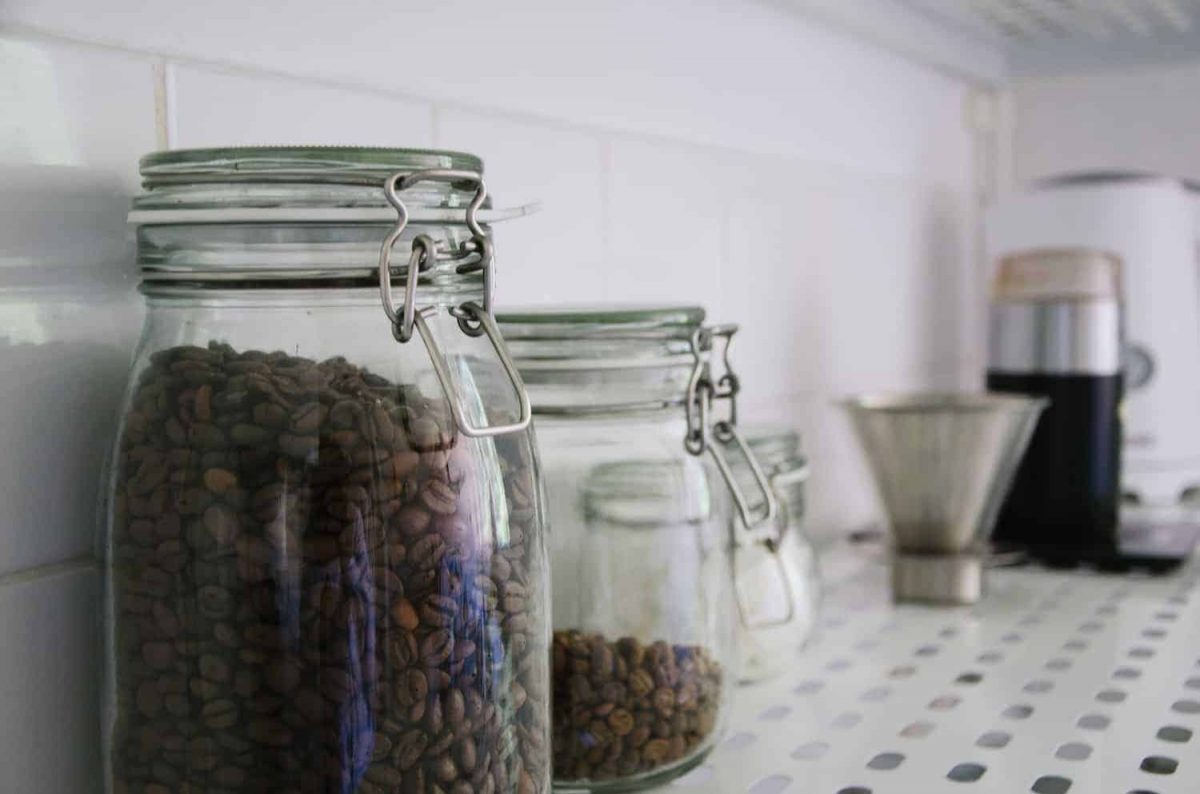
x=1151, y=223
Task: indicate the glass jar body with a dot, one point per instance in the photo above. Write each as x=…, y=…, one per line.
x=315, y=583
x=643, y=612
x=779, y=589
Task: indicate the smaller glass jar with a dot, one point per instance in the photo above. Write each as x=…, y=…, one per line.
x=779, y=584
x=642, y=500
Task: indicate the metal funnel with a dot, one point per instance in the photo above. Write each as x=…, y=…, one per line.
x=943, y=464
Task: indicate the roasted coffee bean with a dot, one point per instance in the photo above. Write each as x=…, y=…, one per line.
x=219, y=714
x=436, y=647
x=291, y=553
x=410, y=747
x=405, y=615
x=439, y=610
x=612, y=719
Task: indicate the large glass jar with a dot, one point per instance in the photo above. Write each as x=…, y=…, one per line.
x=641, y=553
x=325, y=557
x=781, y=585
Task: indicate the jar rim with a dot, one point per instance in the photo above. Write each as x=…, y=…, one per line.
x=778, y=447
x=573, y=322
x=248, y=160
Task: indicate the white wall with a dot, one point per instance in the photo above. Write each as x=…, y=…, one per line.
x=814, y=188
x=1143, y=119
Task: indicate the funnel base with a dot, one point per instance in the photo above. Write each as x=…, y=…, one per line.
x=937, y=578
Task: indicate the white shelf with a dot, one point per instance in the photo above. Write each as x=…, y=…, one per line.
x=1083, y=678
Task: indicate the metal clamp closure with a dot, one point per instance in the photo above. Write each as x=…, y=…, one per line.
x=704, y=435
x=473, y=319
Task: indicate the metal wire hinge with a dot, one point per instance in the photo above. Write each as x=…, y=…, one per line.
x=473, y=319
x=705, y=434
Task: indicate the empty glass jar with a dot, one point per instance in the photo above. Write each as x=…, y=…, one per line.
x=326, y=567
x=625, y=405
x=780, y=587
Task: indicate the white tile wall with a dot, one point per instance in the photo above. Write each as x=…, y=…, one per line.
x=557, y=255
x=811, y=187
x=216, y=107
x=737, y=73
x=75, y=121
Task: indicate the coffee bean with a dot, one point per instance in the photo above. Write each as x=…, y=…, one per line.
x=219, y=714
x=219, y=480
x=268, y=731
x=439, y=497
x=405, y=615
x=427, y=552
x=439, y=610
x=445, y=770
x=158, y=655
x=149, y=699
x=664, y=701
x=410, y=747
x=311, y=706
x=413, y=688
x=612, y=720
x=283, y=675
x=335, y=684
x=436, y=647
x=387, y=776
x=290, y=548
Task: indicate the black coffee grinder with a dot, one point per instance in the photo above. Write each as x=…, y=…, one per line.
x=1056, y=332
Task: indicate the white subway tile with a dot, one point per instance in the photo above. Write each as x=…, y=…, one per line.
x=557, y=254
x=891, y=264
x=49, y=685
x=666, y=224
x=211, y=107
x=75, y=106
x=770, y=284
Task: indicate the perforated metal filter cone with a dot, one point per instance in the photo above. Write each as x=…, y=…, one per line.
x=943, y=464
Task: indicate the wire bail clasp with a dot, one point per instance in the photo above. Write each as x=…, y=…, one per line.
x=704, y=434
x=473, y=319
x=707, y=435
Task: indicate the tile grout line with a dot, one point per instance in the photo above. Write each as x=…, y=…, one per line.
x=615, y=134
x=435, y=125
x=73, y=565
x=162, y=105
x=604, y=152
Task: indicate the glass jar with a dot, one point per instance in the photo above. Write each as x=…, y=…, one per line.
x=781, y=589
x=640, y=514
x=326, y=568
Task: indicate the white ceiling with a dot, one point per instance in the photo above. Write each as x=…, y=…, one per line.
x=994, y=41
x=1031, y=21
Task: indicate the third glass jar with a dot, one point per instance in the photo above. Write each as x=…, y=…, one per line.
x=780, y=584
x=638, y=481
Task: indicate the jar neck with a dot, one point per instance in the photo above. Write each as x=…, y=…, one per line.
x=355, y=299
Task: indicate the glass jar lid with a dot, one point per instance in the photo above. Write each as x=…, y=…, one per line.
x=270, y=213
x=288, y=177
x=581, y=360
x=778, y=448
